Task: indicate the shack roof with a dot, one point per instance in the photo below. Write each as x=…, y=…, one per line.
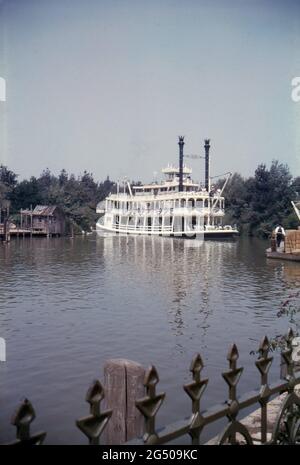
x=41, y=210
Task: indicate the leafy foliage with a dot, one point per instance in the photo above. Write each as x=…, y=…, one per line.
x=259, y=203
x=289, y=308
x=8, y=181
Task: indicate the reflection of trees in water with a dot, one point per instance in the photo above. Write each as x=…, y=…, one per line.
x=259, y=281
x=58, y=257
x=287, y=274
x=290, y=302
x=291, y=274
x=186, y=271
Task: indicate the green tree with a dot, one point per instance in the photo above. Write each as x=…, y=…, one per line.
x=26, y=194
x=8, y=181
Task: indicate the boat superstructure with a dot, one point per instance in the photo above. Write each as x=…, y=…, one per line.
x=178, y=206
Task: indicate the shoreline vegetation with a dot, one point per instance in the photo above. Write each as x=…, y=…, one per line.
x=256, y=204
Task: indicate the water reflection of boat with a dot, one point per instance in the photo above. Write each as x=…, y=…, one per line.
x=183, y=271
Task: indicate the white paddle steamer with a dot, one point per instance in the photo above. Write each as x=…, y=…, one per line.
x=176, y=207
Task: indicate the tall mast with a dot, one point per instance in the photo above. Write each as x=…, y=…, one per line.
x=207, y=164
x=181, y=144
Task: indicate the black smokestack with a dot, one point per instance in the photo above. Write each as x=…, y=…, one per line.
x=181, y=144
x=207, y=164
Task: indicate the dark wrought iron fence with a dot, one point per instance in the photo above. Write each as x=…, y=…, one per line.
x=286, y=429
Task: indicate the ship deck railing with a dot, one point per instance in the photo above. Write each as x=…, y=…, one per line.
x=146, y=228
x=168, y=195
x=165, y=211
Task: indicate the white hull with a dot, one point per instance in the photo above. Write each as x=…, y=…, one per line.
x=210, y=232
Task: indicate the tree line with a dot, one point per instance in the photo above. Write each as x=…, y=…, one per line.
x=256, y=204
x=76, y=196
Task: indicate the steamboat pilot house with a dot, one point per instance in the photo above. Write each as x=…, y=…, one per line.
x=178, y=206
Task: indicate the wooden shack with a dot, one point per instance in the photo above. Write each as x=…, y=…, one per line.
x=44, y=220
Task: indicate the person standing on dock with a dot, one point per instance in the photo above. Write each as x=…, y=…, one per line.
x=280, y=235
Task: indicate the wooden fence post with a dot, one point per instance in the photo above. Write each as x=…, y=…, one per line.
x=123, y=383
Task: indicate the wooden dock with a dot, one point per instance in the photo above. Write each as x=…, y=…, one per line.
x=18, y=232
x=281, y=255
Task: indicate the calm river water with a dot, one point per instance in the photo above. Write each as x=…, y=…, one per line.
x=67, y=305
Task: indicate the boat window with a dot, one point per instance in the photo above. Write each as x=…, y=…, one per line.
x=191, y=203
x=199, y=203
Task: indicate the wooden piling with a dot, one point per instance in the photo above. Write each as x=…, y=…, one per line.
x=273, y=243
x=123, y=382
x=6, y=230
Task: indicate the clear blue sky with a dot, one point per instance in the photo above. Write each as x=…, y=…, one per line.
x=108, y=85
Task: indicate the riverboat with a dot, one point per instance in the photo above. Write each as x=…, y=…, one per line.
x=175, y=207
